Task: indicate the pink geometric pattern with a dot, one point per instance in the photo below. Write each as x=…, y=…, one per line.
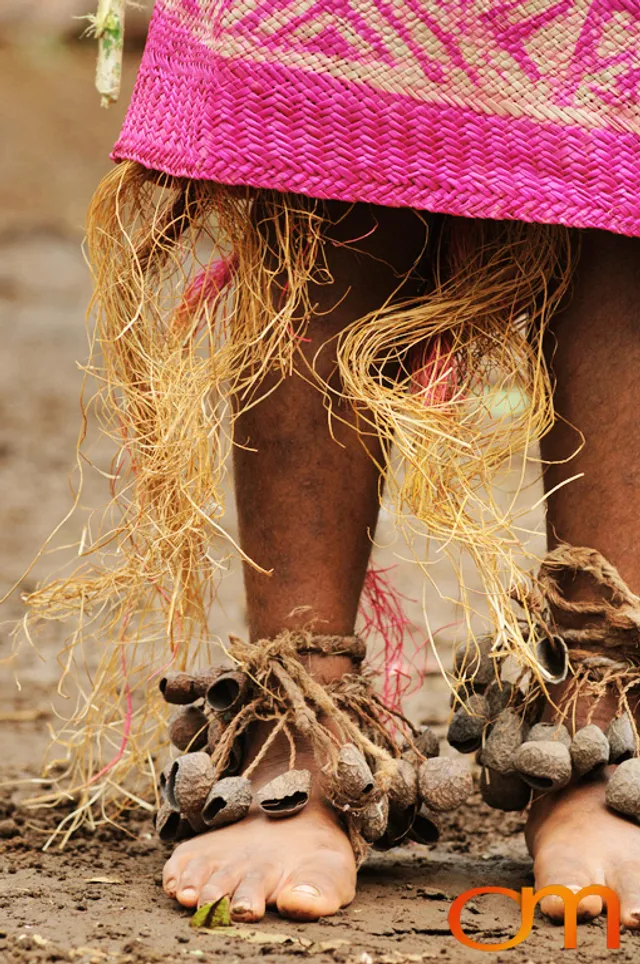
x=524, y=109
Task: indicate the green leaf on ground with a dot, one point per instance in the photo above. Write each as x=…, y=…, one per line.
x=209, y=916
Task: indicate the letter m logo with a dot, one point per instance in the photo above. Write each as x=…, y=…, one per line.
x=526, y=901
x=571, y=900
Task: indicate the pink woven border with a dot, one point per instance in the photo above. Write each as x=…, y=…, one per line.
x=194, y=114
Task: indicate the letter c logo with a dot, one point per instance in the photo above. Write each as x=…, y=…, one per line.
x=458, y=906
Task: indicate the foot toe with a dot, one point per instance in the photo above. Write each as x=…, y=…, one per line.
x=221, y=884
x=171, y=875
x=630, y=917
x=559, y=868
x=310, y=894
x=249, y=899
x=626, y=884
x=589, y=907
x=305, y=900
x=170, y=886
x=192, y=880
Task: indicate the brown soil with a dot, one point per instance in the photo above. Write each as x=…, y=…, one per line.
x=100, y=899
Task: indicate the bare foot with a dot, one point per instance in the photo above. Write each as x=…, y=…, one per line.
x=303, y=865
x=576, y=840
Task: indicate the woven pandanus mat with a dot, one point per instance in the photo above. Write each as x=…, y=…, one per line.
x=483, y=108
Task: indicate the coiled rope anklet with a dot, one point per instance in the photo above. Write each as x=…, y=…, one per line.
x=590, y=646
x=385, y=788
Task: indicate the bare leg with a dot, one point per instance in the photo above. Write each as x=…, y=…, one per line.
x=307, y=506
x=326, y=492
x=574, y=839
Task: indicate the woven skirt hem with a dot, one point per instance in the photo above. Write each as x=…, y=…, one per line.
x=268, y=126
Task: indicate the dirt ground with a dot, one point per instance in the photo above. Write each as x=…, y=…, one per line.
x=100, y=899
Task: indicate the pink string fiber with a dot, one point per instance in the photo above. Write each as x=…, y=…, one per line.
x=433, y=371
x=206, y=288
x=403, y=662
x=128, y=716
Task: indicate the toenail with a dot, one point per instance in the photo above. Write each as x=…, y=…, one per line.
x=170, y=884
x=306, y=889
x=188, y=892
x=241, y=908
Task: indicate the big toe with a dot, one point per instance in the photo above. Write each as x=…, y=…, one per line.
x=310, y=893
x=556, y=868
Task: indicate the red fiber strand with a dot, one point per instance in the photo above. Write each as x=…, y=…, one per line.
x=404, y=657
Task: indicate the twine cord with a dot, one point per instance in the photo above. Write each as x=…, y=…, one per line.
x=201, y=291
x=605, y=657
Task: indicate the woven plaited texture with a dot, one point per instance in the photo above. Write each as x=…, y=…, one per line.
x=485, y=108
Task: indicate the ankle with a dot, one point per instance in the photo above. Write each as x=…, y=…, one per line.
x=328, y=668
x=330, y=656
x=277, y=759
x=585, y=709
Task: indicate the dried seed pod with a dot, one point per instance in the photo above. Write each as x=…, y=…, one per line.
x=167, y=821
x=179, y=688
x=499, y=694
x=189, y=782
x=215, y=729
x=555, y=732
x=444, y=783
x=188, y=729
x=164, y=778
x=534, y=708
x=504, y=791
x=170, y=825
x=183, y=688
x=195, y=821
x=425, y=829
x=227, y=692
x=427, y=743
x=371, y=821
x=468, y=723
x=354, y=779
x=399, y=823
x=473, y=663
x=235, y=753
x=403, y=790
x=229, y=800
x=504, y=739
x=285, y=795
x=552, y=657
x=203, y=680
x=623, y=789
x=622, y=739
x=589, y=749
x=544, y=765
x=236, y=758
x=403, y=804
x=185, y=830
